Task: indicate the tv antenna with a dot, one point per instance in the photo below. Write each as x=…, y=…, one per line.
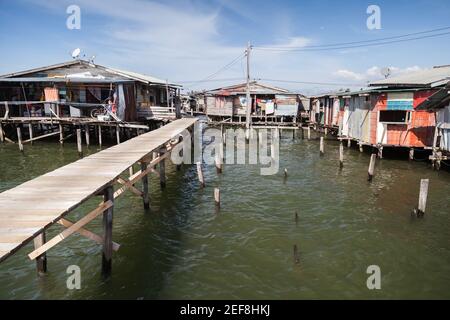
x=386, y=72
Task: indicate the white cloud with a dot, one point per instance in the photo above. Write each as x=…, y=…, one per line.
x=372, y=73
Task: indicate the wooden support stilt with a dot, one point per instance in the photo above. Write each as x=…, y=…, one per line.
x=162, y=169
x=100, y=136
x=349, y=143
x=200, y=174
x=145, y=194
x=87, y=135
x=361, y=149
x=118, y=134
x=371, y=171
x=218, y=160
x=341, y=155
x=326, y=131
x=303, y=133
x=411, y=154
x=217, y=197
x=41, y=261
x=2, y=136
x=30, y=132
x=380, y=152
x=19, y=139
x=108, y=196
x=322, y=146
x=80, y=147
x=309, y=133
x=285, y=173
x=61, y=134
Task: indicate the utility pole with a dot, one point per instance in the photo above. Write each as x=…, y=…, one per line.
x=248, y=98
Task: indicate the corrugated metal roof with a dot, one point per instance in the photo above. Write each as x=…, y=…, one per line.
x=127, y=74
x=438, y=100
x=423, y=78
x=255, y=88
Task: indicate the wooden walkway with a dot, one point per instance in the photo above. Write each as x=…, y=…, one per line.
x=30, y=208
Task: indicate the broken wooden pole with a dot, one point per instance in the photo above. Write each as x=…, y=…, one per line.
x=296, y=255
x=411, y=154
x=218, y=161
x=107, y=232
x=41, y=261
x=341, y=155
x=217, y=197
x=30, y=132
x=61, y=134
x=371, y=171
x=322, y=146
x=88, y=142
x=200, y=174
x=19, y=139
x=80, y=147
x=423, y=195
x=145, y=194
x=162, y=168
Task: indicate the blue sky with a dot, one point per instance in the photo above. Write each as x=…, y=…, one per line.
x=186, y=40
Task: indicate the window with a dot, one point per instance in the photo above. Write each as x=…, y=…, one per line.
x=391, y=116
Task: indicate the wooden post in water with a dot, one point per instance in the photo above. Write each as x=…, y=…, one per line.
x=411, y=154
x=303, y=132
x=19, y=139
x=285, y=173
x=217, y=197
x=218, y=159
x=309, y=133
x=296, y=255
x=118, y=134
x=162, y=169
x=88, y=142
x=424, y=183
x=30, y=132
x=341, y=155
x=100, y=136
x=61, y=134
x=322, y=147
x=380, y=152
x=145, y=194
x=349, y=143
x=80, y=148
x=2, y=136
x=41, y=261
x=326, y=131
x=108, y=195
x=361, y=149
x=371, y=172
x=200, y=174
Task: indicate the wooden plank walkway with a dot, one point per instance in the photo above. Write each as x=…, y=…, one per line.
x=30, y=208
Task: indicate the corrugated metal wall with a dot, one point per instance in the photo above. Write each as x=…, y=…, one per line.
x=443, y=118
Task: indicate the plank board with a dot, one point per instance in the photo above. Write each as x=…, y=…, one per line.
x=33, y=206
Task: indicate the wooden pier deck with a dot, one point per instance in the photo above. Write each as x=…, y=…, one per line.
x=27, y=210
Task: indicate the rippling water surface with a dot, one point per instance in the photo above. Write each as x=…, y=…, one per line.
x=183, y=249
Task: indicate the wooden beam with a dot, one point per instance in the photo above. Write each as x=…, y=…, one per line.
x=130, y=186
x=41, y=137
x=86, y=233
x=60, y=237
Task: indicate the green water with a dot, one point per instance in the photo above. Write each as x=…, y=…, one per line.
x=183, y=249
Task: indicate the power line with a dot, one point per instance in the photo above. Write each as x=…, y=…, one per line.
x=306, y=49
x=227, y=66
x=314, y=83
x=358, y=42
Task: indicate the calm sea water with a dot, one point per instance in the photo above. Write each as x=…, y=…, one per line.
x=183, y=249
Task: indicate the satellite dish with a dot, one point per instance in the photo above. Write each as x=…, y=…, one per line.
x=386, y=72
x=76, y=53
